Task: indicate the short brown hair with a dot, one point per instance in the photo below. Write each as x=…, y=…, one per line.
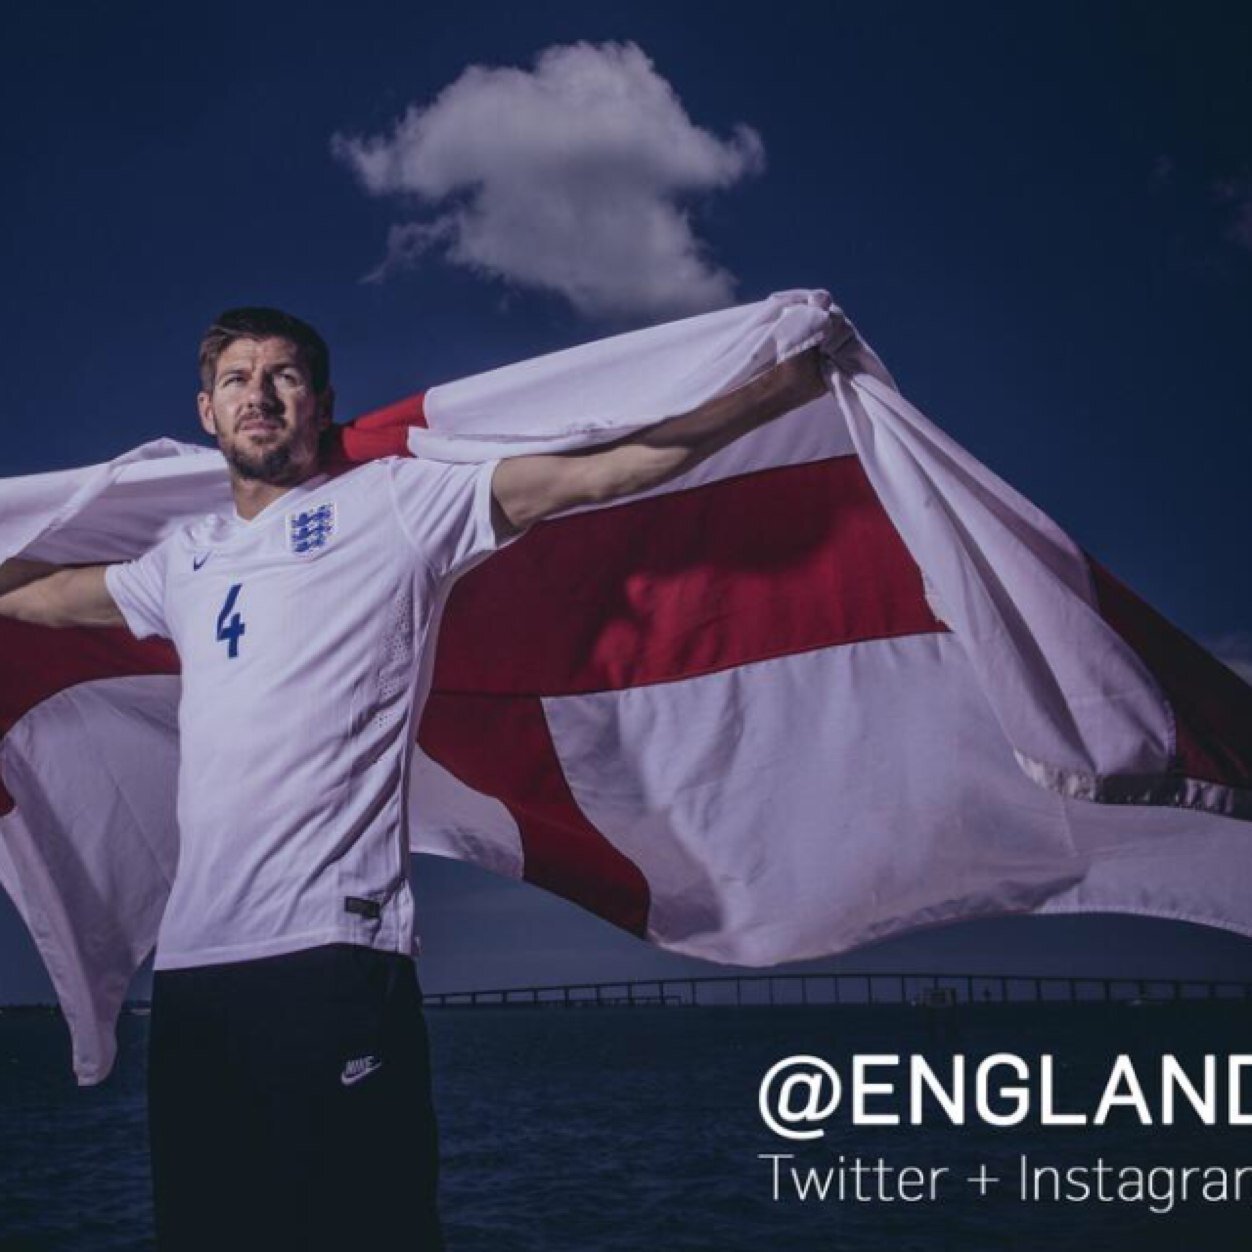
x=261, y=323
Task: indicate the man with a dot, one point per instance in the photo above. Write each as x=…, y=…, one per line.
x=289, y=1094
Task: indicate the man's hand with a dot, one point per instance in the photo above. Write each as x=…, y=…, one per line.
x=529, y=488
x=49, y=595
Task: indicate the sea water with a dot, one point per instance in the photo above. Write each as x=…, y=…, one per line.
x=639, y=1129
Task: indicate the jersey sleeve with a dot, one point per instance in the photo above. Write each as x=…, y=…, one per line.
x=445, y=511
x=138, y=590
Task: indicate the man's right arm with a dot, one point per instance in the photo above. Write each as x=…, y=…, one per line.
x=52, y=595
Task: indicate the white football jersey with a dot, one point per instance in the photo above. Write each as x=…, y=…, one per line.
x=301, y=634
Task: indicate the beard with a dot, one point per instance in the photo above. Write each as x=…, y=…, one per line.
x=269, y=465
x=276, y=464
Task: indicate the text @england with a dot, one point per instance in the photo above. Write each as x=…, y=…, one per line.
x=800, y=1093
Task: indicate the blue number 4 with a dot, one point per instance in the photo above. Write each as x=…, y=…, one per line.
x=229, y=624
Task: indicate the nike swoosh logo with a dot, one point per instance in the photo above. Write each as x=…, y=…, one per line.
x=350, y=1076
x=197, y=561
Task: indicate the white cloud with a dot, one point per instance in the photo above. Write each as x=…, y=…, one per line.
x=569, y=178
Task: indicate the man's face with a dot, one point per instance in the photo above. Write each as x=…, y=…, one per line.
x=264, y=412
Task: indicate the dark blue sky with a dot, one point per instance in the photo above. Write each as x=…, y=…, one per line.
x=1040, y=217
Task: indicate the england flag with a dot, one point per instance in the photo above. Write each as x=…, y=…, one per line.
x=837, y=682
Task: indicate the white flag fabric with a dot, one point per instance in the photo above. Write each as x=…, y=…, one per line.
x=837, y=682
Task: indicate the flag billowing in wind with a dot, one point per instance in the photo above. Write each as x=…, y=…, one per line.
x=836, y=682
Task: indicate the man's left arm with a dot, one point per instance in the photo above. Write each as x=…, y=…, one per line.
x=529, y=488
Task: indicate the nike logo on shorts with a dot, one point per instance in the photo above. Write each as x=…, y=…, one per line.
x=362, y=1067
x=197, y=561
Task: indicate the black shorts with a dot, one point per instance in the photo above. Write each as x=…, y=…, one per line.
x=289, y=1104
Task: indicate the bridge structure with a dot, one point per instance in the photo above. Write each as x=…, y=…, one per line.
x=928, y=990
x=925, y=990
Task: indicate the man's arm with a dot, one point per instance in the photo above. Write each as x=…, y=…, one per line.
x=529, y=488
x=49, y=595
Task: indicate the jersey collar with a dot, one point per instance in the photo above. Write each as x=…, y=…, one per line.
x=289, y=497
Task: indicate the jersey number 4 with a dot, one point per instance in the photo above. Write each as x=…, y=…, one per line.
x=229, y=624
